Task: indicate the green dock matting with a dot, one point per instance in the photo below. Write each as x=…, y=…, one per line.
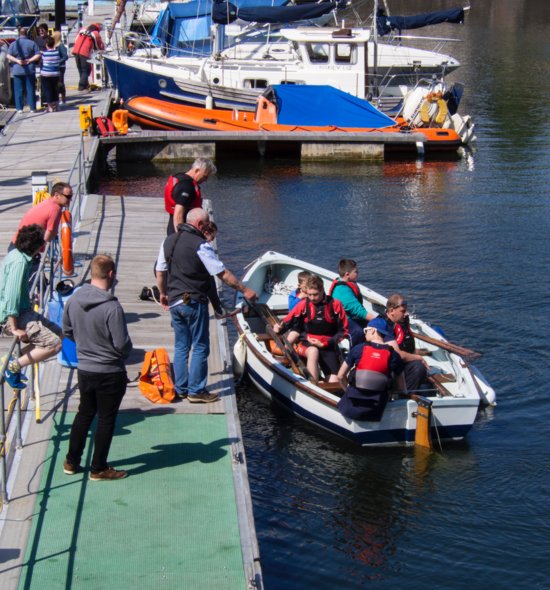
x=172, y=523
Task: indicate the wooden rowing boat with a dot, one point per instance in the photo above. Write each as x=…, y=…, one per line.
x=456, y=391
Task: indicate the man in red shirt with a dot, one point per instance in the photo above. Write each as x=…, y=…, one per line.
x=47, y=213
x=87, y=41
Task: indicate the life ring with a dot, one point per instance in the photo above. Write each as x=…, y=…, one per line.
x=67, y=243
x=430, y=116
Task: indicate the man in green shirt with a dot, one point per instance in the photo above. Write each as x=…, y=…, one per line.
x=17, y=318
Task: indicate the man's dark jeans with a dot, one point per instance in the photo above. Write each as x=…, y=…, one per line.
x=101, y=394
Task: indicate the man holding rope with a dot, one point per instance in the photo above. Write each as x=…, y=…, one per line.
x=185, y=267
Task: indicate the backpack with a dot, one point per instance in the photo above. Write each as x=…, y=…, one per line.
x=155, y=381
x=150, y=294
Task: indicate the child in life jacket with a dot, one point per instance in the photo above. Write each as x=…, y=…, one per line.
x=346, y=290
x=300, y=292
x=366, y=375
x=318, y=323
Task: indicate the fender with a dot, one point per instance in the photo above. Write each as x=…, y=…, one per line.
x=67, y=243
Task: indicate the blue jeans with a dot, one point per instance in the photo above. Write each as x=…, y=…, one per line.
x=191, y=331
x=25, y=85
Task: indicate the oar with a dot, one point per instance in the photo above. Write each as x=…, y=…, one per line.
x=466, y=353
x=269, y=318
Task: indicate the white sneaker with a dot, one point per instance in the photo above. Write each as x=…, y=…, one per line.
x=19, y=112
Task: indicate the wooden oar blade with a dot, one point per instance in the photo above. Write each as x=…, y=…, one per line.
x=466, y=353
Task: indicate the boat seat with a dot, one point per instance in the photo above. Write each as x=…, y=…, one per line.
x=334, y=388
x=439, y=380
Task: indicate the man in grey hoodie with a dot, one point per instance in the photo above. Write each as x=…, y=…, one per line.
x=95, y=320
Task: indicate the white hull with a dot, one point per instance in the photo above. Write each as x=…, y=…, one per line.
x=304, y=55
x=453, y=413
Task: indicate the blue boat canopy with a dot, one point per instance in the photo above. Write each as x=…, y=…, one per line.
x=325, y=105
x=224, y=13
x=183, y=28
x=385, y=24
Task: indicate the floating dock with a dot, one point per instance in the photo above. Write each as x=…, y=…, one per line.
x=310, y=146
x=183, y=518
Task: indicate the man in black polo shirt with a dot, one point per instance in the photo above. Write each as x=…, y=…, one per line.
x=184, y=269
x=182, y=192
x=400, y=338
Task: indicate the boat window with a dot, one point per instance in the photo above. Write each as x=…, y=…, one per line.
x=249, y=83
x=318, y=52
x=344, y=53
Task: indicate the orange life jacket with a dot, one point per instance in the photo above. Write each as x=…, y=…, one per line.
x=155, y=381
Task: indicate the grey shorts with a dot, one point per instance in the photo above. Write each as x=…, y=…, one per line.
x=40, y=331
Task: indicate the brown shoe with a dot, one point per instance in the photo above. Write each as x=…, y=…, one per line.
x=108, y=474
x=69, y=468
x=204, y=397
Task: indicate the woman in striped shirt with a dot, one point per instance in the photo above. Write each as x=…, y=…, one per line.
x=49, y=74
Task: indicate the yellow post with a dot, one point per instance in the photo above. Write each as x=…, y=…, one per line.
x=86, y=118
x=36, y=383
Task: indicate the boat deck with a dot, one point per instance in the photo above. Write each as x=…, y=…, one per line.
x=183, y=517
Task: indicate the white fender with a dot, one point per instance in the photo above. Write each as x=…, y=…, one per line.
x=239, y=357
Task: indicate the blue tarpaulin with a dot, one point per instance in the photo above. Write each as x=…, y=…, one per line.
x=324, y=105
x=385, y=24
x=184, y=27
x=224, y=13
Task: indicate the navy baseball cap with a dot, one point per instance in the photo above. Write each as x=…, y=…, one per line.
x=380, y=325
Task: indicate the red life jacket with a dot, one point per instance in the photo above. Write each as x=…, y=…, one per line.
x=105, y=127
x=373, y=369
x=403, y=334
x=86, y=42
x=318, y=322
x=353, y=286
x=170, y=204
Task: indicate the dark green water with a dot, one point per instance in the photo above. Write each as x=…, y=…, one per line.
x=468, y=243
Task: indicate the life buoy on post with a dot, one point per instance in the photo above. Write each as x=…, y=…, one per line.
x=67, y=243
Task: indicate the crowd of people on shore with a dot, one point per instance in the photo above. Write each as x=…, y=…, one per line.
x=47, y=55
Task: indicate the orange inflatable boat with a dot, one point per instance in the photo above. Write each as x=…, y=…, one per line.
x=290, y=109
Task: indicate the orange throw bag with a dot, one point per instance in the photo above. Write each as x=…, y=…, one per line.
x=155, y=381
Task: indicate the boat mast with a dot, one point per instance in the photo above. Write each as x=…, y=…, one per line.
x=374, y=86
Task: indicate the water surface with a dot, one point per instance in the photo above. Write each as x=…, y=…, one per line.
x=468, y=243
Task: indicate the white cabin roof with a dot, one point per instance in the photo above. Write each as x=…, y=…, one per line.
x=326, y=35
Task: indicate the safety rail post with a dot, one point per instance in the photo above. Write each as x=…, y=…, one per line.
x=18, y=437
x=3, y=434
x=3, y=438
